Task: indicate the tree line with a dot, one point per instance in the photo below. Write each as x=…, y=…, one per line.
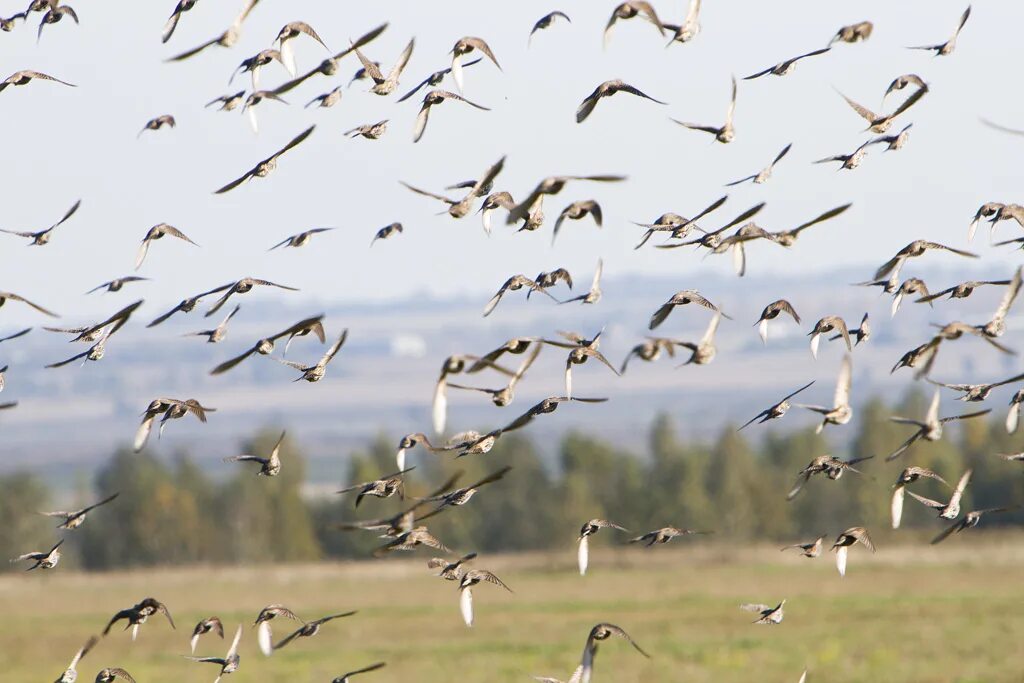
x=171, y=512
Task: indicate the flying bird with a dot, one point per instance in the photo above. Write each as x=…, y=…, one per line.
x=158, y=231
x=725, y=133
x=607, y=89
x=316, y=372
x=583, y=542
x=629, y=10
x=929, y=429
x=287, y=34
x=172, y=21
x=464, y=46
x=786, y=67
x=431, y=99
x=311, y=628
x=208, y=625
x=775, y=411
x=243, y=286
x=24, y=77
x=269, y=466
x=951, y=509
x=841, y=411
x=264, y=168
x=947, y=47
x=545, y=22
x=162, y=121
x=75, y=518
x=907, y=476
x=43, y=560
x=385, y=85
x=228, y=38
x=230, y=662
x=851, y=536
x=768, y=615
x=43, y=237
x=765, y=173
x=771, y=312
x=853, y=33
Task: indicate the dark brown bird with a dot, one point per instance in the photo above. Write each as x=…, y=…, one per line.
x=264, y=168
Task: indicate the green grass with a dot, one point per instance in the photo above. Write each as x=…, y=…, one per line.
x=909, y=614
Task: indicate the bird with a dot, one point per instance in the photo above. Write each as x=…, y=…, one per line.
x=265, y=346
x=851, y=536
x=370, y=131
x=711, y=240
x=607, y=89
x=477, y=188
x=451, y=366
x=788, y=238
x=186, y=305
x=435, y=79
x=907, y=476
x=43, y=237
x=506, y=394
x=207, y=625
x=545, y=406
x=345, y=678
x=650, y=350
x=986, y=210
x=252, y=101
x=138, y=614
x=449, y=570
x=243, y=286
x=771, y=312
x=162, y=121
x=951, y=509
x=913, y=250
x=386, y=232
x=219, y=333
x=969, y=521
x=230, y=662
x=880, y=123
x=22, y=333
x=775, y=411
x=93, y=353
x=786, y=67
x=289, y=32
x=175, y=410
x=681, y=298
x=300, y=239
x=911, y=285
x=824, y=464
x=264, y=633
x=548, y=279
x=768, y=615
x=461, y=496
x=598, y=634
x=228, y=102
x=853, y=33
x=629, y=10
x=704, y=351
x=947, y=47
x=677, y=225
x=172, y=22
x=593, y=295
x=265, y=167
x=545, y=22
x=316, y=372
x=849, y=161
x=43, y=560
x=993, y=329
x=431, y=99
x=725, y=133
x=70, y=674
x=577, y=211
x=513, y=284
x=688, y=30
x=583, y=542
x=408, y=540
x=841, y=411
x=977, y=392
x=1013, y=416
x=75, y=518
x=893, y=142
x=469, y=579
x=329, y=66
x=904, y=81
x=385, y=85
x=326, y=100
x=228, y=38
x=11, y=296
x=584, y=348
x=811, y=550
x=109, y=674
x=765, y=173
x=464, y=46
x=664, y=535
x=25, y=77
x=311, y=628
x=158, y=231
x=552, y=185
x=830, y=323
x=930, y=429
x=385, y=487
x=117, y=284
x=269, y=466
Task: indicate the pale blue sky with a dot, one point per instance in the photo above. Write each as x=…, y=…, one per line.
x=62, y=144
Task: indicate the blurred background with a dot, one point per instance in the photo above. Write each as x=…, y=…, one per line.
x=663, y=450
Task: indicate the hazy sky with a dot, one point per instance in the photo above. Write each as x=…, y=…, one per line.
x=61, y=144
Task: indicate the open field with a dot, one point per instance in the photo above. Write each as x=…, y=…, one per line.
x=907, y=614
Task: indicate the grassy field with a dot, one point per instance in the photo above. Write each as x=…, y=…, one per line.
x=909, y=614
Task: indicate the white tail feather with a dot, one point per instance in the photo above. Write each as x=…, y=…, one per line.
x=466, y=605
x=583, y=555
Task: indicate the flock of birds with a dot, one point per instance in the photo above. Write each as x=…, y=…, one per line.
x=406, y=531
